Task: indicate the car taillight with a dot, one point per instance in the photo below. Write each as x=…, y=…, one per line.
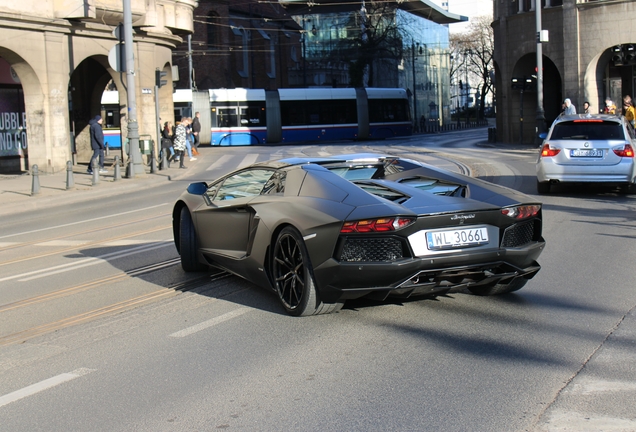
x=624, y=151
x=521, y=212
x=376, y=225
x=549, y=151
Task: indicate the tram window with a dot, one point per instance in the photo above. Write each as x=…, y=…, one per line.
x=344, y=112
x=254, y=115
x=227, y=117
x=292, y=113
x=387, y=110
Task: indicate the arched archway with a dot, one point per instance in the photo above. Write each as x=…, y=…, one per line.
x=21, y=117
x=609, y=74
x=86, y=87
x=524, y=99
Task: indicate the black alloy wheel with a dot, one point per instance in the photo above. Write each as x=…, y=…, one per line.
x=293, y=277
x=188, y=244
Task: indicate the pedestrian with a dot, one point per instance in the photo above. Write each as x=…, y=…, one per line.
x=97, y=144
x=586, y=107
x=166, y=141
x=569, y=107
x=628, y=109
x=180, y=141
x=610, y=108
x=189, y=138
x=196, y=131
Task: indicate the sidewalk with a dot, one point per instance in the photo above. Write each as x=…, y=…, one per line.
x=16, y=190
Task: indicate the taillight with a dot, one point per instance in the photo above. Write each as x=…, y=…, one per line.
x=376, y=225
x=549, y=151
x=624, y=151
x=521, y=212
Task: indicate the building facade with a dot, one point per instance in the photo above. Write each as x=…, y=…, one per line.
x=248, y=44
x=589, y=57
x=54, y=68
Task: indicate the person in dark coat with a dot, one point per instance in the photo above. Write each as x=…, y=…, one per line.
x=196, y=131
x=97, y=144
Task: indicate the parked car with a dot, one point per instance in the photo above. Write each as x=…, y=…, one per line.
x=319, y=231
x=588, y=149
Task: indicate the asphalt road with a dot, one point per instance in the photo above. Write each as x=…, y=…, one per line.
x=101, y=330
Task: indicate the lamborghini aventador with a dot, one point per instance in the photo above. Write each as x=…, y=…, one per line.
x=319, y=231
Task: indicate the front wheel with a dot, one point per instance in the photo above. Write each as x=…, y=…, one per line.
x=498, y=289
x=188, y=245
x=293, y=277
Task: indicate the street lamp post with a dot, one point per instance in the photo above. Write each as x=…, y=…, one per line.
x=467, y=53
x=414, y=89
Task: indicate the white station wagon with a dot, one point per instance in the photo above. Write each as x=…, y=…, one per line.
x=586, y=148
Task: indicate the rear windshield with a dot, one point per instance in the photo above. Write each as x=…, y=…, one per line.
x=603, y=130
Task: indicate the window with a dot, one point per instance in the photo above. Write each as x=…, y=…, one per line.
x=213, y=30
x=607, y=130
x=247, y=183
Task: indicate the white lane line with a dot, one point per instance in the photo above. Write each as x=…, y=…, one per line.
x=220, y=161
x=86, y=262
x=43, y=385
x=248, y=160
x=209, y=323
x=5, y=244
x=63, y=243
x=82, y=221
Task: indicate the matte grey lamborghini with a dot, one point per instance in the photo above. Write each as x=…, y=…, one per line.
x=319, y=231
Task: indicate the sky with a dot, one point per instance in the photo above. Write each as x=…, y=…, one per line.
x=469, y=8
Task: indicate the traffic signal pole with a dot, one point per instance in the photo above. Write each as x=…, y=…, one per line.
x=540, y=111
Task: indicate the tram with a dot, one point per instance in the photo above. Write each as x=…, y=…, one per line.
x=240, y=117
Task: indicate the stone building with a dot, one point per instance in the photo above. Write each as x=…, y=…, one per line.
x=590, y=56
x=54, y=68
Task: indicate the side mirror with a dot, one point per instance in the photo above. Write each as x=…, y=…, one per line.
x=543, y=135
x=198, y=188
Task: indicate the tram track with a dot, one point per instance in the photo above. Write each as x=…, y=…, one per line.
x=87, y=244
x=161, y=293
x=75, y=234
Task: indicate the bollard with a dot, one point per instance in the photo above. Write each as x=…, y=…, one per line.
x=164, y=161
x=70, y=182
x=117, y=175
x=153, y=161
x=95, y=172
x=35, y=183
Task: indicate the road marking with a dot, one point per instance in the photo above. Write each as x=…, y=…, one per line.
x=36, y=274
x=209, y=323
x=5, y=244
x=220, y=161
x=43, y=385
x=63, y=243
x=82, y=221
x=248, y=160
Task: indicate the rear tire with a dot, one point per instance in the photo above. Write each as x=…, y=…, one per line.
x=188, y=244
x=543, y=187
x=627, y=189
x=499, y=289
x=294, y=279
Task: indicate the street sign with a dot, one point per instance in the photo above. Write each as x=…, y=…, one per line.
x=117, y=58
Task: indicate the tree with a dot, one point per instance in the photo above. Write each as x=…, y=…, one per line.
x=479, y=43
x=372, y=35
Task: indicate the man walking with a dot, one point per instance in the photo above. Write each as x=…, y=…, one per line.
x=97, y=144
x=196, y=130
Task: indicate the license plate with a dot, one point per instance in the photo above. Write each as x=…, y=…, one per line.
x=456, y=238
x=597, y=153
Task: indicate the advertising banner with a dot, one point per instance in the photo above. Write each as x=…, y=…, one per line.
x=13, y=129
